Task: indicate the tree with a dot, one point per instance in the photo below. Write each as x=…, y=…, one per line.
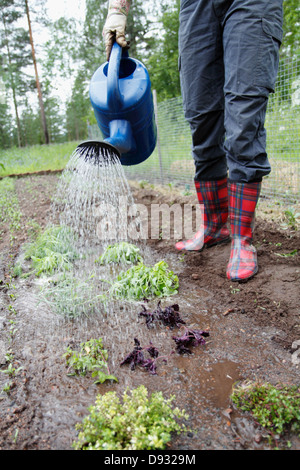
x=5, y=123
x=78, y=108
x=138, y=25
x=40, y=95
x=291, y=30
x=91, y=52
x=163, y=62
x=14, y=46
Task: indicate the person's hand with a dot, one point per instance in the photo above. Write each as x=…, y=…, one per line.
x=115, y=25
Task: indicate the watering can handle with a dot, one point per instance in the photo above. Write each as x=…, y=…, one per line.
x=114, y=97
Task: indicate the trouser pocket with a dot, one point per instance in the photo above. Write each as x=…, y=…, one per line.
x=268, y=54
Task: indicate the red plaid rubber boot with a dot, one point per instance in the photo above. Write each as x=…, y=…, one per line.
x=243, y=199
x=213, y=195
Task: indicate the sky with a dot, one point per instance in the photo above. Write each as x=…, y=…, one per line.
x=55, y=10
x=67, y=8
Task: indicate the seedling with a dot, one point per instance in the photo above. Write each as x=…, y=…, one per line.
x=11, y=371
x=292, y=218
x=287, y=255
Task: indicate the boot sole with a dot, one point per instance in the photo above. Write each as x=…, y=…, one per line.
x=245, y=279
x=222, y=242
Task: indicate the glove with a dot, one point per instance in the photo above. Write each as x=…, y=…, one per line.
x=115, y=24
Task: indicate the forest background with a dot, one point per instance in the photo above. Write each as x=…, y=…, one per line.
x=46, y=63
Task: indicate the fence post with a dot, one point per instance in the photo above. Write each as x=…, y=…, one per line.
x=158, y=141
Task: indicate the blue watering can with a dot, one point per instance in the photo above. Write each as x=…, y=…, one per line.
x=120, y=93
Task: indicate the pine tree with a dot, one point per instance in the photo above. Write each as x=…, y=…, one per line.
x=38, y=85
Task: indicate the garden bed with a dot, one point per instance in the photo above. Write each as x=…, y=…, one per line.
x=252, y=327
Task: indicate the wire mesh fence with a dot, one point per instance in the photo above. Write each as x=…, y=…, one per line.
x=171, y=163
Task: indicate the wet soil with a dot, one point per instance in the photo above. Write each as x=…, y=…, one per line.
x=253, y=327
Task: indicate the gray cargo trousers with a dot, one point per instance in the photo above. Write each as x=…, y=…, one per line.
x=228, y=62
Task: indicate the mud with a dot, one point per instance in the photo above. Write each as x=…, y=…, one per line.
x=252, y=329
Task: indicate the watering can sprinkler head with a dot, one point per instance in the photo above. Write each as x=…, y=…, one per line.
x=97, y=152
x=120, y=93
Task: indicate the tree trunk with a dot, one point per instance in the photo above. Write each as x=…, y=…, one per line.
x=41, y=103
x=12, y=84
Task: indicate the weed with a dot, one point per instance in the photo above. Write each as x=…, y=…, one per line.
x=11, y=370
x=286, y=255
x=7, y=387
x=143, y=183
x=92, y=357
x=140, y=422
x=291, y=219
x=17, y=270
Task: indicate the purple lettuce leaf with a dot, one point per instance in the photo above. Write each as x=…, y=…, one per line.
x=136, y=357
x=189, y=339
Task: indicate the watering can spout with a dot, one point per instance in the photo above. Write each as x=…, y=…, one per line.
x=121, y=136
x=120, y=93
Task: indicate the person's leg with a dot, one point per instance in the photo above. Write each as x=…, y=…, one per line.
x=202, y=80
x=251, y=37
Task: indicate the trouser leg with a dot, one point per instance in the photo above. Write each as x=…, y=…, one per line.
x=228, y=59
x=252, y=33
x=202, y=79
x=251, y=38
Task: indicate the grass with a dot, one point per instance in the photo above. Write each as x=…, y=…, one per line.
x=9, y=206
x=36, y=158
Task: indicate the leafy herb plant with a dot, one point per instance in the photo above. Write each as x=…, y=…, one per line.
x=277, y=409
x=145, y=282
x=53, y=250
x=140, y=422
x=120, y=253
x=92, y=357
x=70, y=296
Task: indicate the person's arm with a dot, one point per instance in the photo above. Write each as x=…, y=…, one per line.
x=115, y=25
